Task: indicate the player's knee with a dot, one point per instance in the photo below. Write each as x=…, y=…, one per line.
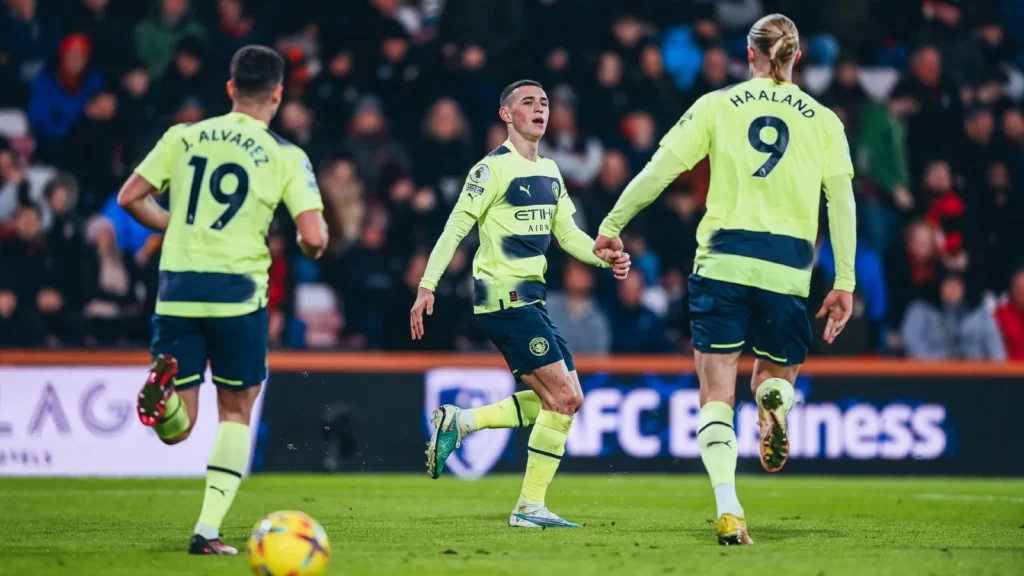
x=577, y=401
x=565, y=401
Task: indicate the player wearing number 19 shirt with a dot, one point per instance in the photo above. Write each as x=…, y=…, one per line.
x=225, y=177
x=773, y=148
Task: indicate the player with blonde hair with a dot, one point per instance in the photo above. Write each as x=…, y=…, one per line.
x=773, y=148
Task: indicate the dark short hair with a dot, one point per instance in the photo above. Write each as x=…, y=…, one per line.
x=507, y=92
x=256, y=71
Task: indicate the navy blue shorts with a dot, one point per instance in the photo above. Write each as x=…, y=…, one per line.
x=526, y=337
x=236, y=348
x=727, y=317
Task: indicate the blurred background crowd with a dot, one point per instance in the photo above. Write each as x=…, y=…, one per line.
x=394, y=101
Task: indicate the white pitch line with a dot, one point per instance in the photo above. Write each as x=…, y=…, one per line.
x=970, y=497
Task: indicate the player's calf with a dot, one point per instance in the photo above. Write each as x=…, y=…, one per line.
x=773, y=390
x=160, y=406
x=225, y=467
x=559, y=401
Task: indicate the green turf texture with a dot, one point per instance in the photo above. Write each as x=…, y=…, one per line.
x=634, y=524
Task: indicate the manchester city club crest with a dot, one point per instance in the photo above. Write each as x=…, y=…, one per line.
x=470, y=388
x=555, y=189
x=539, y=346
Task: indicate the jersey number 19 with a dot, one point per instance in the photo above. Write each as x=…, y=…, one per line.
x=233, y=201
x=776, y=148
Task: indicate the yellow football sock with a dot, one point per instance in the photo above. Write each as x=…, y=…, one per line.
x=224, y=471
x=717, y=439
x=546, y=447
x=517, y=411
x=175, y=421
x=784, y=387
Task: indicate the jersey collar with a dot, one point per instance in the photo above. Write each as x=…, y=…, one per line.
x=246, y=119
x=512, y=149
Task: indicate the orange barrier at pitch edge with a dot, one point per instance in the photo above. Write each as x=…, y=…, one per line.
x=396, y=362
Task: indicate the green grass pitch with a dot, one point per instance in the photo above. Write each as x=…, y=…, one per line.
x=635, y=524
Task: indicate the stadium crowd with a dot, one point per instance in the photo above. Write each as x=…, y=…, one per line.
x=394, y=100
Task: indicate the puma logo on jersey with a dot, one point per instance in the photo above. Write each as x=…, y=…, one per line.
x=526, y=189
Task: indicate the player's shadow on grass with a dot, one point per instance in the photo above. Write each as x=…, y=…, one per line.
x=767, y=533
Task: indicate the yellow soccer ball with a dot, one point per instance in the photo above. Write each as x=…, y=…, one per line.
x=288, y=543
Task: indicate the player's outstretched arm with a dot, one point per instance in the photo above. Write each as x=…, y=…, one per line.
x=460, y=222
x=661, y=171
x=578, y=244
x=136, y=197
x=686, y=144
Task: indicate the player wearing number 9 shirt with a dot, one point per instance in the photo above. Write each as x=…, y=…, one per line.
x=772, y=149
x=225, y=177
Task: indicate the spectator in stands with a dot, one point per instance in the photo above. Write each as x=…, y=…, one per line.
x=366, y=279
x=159, y=34
x=608, y=98
x=67, y=237
x=640, y=133
x=344, y=202
x=1013, y=133
x=673, y=228
x=279, y=295
x=978, y=151
x=188, y=82
x=961, y=54
x=714, y=75
x=945, y=212
x=236, y=27
x=396, y=332
x=109, y=31
x=334, y=93
x=582, y=323
x=111, y=306
x=930, y=106
x=602, y=195
x=89, y=150
x=298, y=125
x=137, y=109
x=654, y=91
x=445, y=150
x=1002, y=227
x=378, y=156
x=1010, y=318
x=635, y=327
x=912, y=271
x=27, y=38
x=577, y=154
x=951, y=328
x=59, y=96
x=21, y=185
x=39, y=286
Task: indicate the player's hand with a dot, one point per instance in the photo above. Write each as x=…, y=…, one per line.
x=839, y=306
x=424, y=301
x=620, y=266
x=608, y=249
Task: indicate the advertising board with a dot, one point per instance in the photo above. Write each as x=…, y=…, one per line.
x=82, y=422
x=896, y=425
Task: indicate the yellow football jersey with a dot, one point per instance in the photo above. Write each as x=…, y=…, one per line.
x=771, y=147
x=226, y=177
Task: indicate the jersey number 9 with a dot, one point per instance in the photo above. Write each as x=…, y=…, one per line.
x=233, y=200
x=776, y=148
